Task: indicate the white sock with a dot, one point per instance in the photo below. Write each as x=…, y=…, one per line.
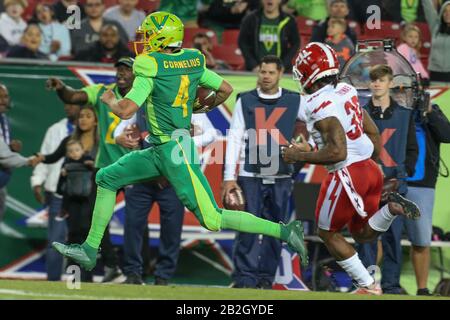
x=382, y=219
x=356, y=270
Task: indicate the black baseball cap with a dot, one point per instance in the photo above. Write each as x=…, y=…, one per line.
x=126, y=61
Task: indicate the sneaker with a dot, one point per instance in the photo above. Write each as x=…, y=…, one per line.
x=408, y=208
x=296, y=241
x=111, y=274
x=82, y=254
x=424, y=292
x=134, y=278
x=373, y=290
x=161, y=281
x=395, y=290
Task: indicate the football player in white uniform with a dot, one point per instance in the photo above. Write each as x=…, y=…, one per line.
x=347, y=140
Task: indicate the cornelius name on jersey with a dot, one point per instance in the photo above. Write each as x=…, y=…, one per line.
x=190, y=63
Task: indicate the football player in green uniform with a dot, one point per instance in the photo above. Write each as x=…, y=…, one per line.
x=165, y=84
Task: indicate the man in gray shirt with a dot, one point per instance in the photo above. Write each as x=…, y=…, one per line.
x=89, y=31
x=8, y=158
x=127, y=16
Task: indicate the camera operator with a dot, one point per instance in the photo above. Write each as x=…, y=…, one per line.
x=432, y=129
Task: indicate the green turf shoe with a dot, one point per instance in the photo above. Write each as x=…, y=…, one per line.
x=83, y=254
x=296, y=240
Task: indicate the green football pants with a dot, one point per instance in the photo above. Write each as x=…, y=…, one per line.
x=178, y=161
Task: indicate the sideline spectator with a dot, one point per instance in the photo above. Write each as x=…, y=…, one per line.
x=108, y=150
x=411, y=37
x=397, y=130
x=432, y=129
x=412, y=11
x=60, y=9
x=12, y=26
x=203, y=43
x=77, y=200
x=269, y=31
x=338, y=9
x=339, y=41
x=266, y=188
x=439, y=63
x=55, y=36
x=44, y=181
x=9, y=149
x=127, y=16
x=108, y=49
x=29, y=48
x=223, y=14
x=312, y=9
x=90, y=27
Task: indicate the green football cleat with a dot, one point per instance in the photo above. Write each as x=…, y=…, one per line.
x=83, y=254
x=296, y=241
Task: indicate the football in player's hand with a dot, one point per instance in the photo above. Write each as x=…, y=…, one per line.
x=234, y=200
x=205, y=99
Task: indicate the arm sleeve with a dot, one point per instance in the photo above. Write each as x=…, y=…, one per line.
x=145, y=66
x=431, y=14
x=142, y=88
x=412, y=149
x=59, y=153
x=211, y=80
x=40, y=172
x=92, y=93
x=9, y=159
x=235, y=141
x=439, y=125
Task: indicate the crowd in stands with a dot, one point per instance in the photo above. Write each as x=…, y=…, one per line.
x=246, y=29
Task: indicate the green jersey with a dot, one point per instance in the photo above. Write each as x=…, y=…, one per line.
x=108, y=151
x=166, y=86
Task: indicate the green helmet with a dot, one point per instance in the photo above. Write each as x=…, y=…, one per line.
x=158, y=31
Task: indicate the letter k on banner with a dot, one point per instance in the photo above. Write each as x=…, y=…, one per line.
x=269, y=124
x=384, y=155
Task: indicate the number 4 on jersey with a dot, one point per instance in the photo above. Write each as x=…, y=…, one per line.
x=183, y=95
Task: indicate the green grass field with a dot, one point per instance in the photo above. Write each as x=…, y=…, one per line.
x=24, y=290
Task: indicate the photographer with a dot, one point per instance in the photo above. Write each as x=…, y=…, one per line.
x=432, y=129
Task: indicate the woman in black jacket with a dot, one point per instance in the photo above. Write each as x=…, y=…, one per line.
x=76, y=207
